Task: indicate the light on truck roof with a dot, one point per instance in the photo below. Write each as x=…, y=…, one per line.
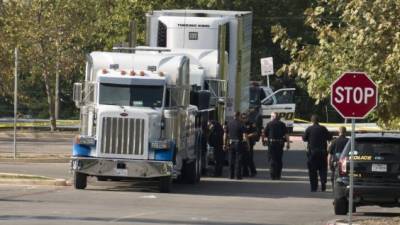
x=105, y=71
x=123, y=72
x=142, y=73
x=132, y=73
x=161, y=74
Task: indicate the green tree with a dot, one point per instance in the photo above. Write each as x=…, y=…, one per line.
x=51, y=32
x=47, y=33
x=352, y=35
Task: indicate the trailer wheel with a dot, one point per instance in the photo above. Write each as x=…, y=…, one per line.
x=80, y=180
x=165, y=184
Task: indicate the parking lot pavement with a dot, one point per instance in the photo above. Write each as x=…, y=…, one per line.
x=213, y=201
x=250, y=201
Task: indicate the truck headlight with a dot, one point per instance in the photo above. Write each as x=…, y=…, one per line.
x=85, y=140
x=160, y=144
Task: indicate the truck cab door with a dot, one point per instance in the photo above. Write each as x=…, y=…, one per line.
x=282, y=102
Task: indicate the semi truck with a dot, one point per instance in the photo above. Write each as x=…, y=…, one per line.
x=137, y=120
x=144, y=110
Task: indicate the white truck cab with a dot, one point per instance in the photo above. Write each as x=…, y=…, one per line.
x=137, y=120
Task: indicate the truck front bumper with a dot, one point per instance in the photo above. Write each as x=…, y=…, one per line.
x=121, y=167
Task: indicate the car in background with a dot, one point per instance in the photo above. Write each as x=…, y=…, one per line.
x=376, y=172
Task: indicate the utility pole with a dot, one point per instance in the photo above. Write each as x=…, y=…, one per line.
x=15, y=101
x=57, y=98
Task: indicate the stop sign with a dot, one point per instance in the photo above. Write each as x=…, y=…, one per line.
x=354, y=95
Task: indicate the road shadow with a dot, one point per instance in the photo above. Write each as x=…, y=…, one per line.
x=292, y=159
x=294, y=182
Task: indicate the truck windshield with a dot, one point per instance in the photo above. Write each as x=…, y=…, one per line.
x=131, y=95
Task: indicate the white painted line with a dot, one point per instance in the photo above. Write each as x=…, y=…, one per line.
x=148, y=196
x=131, y=216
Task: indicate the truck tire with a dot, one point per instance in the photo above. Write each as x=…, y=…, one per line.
x=165, y=184
x=80, y=180
x=341, y=206
x=190, y=173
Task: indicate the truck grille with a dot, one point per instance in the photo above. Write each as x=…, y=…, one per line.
x=123, y=136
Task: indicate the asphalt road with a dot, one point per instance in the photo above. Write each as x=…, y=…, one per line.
x=214, y=201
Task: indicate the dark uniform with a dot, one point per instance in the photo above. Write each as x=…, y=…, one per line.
x=275, y=131
x=215, y=139
x=256, y=118
x=316, y=137
x=335, y=149
x=249, y=167
x=235, y=130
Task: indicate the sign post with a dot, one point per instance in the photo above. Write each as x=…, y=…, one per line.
x=354, y=95
x=267, y=67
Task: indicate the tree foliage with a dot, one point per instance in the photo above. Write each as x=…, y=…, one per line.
x=51, y=32
x=354, y=35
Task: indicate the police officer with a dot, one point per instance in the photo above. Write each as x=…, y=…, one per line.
x=317, y=137
x=234, y=136
x=255, y=117
x=276, y=134
x=335, y=149
x=215, y=140
x=251, y=132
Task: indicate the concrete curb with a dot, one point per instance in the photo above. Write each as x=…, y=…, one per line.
x=25, y=179
x=342, y=222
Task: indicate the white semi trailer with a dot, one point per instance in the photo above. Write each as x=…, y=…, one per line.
x=219, y=42
x=137, y=120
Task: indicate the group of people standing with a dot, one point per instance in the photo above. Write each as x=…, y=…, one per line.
x=238, y=139
x=239, y=135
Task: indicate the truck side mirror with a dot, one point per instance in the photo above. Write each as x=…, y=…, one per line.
x=77, y=94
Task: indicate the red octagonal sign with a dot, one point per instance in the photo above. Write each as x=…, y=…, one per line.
x=354, y=95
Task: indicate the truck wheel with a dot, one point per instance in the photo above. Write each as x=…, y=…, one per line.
x=80, y=180
x=189, y=173
x=341, y=206
x=165, y=184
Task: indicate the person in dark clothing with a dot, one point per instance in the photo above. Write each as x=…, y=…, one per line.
x=276, y=134
x=317, y=137
x=215, y=140
x=254, y=116
x=249, y=168
x=234, y=136
x=335, y=149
